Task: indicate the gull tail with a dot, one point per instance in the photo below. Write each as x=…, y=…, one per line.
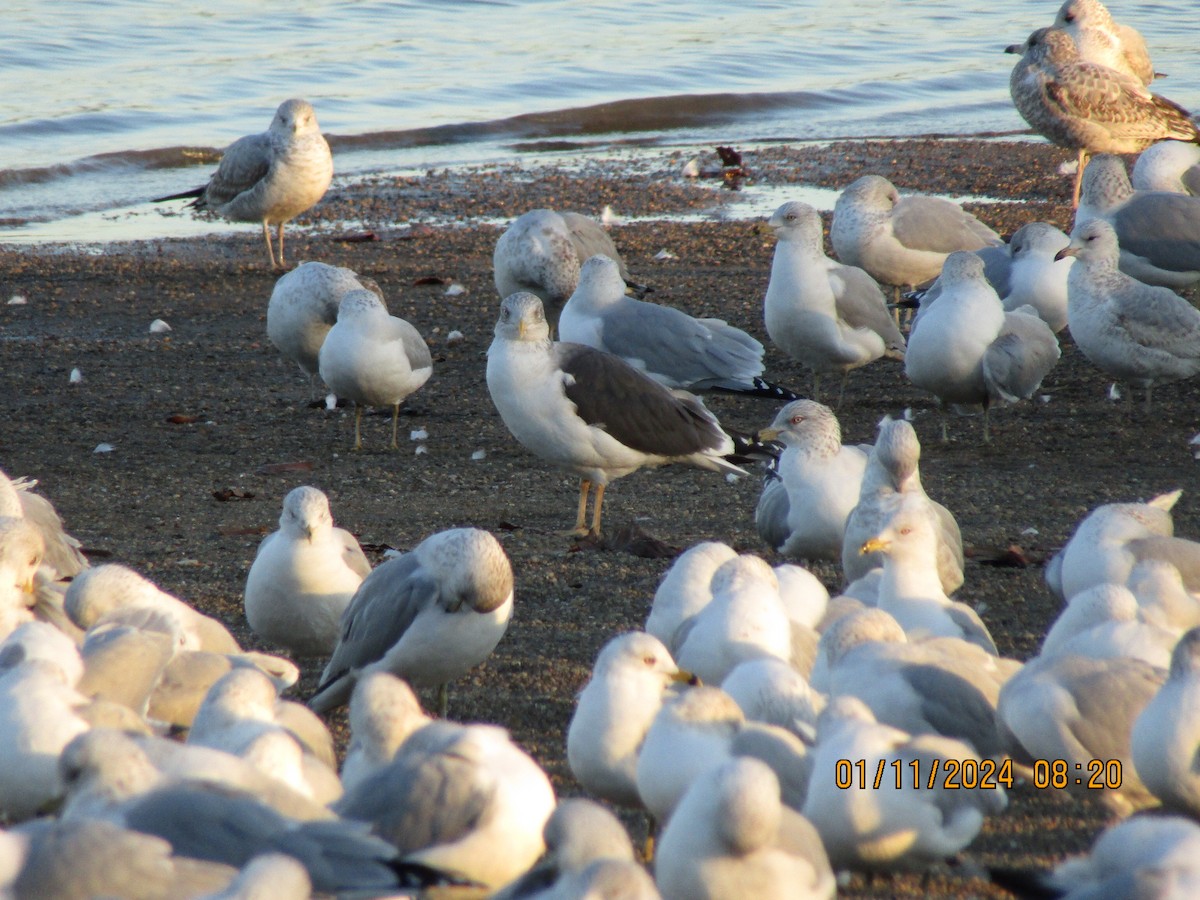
x=193, y=194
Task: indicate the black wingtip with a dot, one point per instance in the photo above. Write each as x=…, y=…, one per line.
x=761, y=388
x=1030, y=884
x=747, y=449
x=193, y=194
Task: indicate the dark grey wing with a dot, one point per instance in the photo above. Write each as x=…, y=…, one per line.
x=245, y=163
x=1163, y=228
x=381, y=610
x=421, y=800
x=635, y=409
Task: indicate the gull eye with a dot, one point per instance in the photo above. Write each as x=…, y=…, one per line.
x=650, y=661
x=796, y=420
x=906, y=530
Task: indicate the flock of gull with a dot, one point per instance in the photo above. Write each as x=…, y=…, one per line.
x=773, y=734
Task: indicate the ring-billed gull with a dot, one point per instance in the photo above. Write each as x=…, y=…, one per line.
x=1168, y=166
x=901, y=240
x=1037, y=277
x=591, y=412
x=1079, y=709
x=896, y=822
x=691, y=733
x=770, y=690
x=427, y=616
x=803, y=512
x=1162, y=598
x=670, y=346
x=459, y=798
x=274, y=875
x=1133, y=332
x=944, y=686
x=629, y=683
x=581, y=837
x=1105, y=620
x=745, y=620
x=1158, y=231
x=373, y=358
x=304, y=306
x=542, y=251
x=731, y=837
x=967, y=350
x=124, y=664
x=1087, y=107
x=18, y=500
x=686, y=588
x=1166, y=733
x=21, y=550
x=892, y=470
x=303, y=577
x=270, y=177
x=911, y=589
x=1101, y=40
x=829, y=317
x=384, y=711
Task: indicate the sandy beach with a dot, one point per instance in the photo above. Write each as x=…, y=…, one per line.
x=210, y=428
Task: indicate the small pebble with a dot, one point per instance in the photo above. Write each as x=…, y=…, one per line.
x=104, y=448
x=17, y=300
x=158, y=326
x=479, y=454
x=455, y=289
x=76, y=376
x=418, y=434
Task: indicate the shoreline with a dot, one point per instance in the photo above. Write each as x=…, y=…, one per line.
x=151, y=503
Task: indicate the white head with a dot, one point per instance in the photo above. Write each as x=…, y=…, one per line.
x=305, y=513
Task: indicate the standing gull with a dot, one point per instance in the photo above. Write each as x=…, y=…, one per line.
x=1158, y=231
x=668, y=345
x=373, y=358
x=591, y=412
x=542, y=251
x=304, y=306
x=1131, y=331
x=827, y=316
x=427, y=616
x=1087, y=107
x=270, y=177
x=967, y=350
x=901, y=240
x=303, y=576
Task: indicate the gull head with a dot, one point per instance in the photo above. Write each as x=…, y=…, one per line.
x=357, y=303
x=522, y=318
x=294, y=117
x=797, y=221
x=807, y=424
x=1094, y=244
x=21, y=551
x=600, y=278
x=871, y=192
x=1080, y=14
x=305, y=513
x=1105, y=183
x=1035, y=239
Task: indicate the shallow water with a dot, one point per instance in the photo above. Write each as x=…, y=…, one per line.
x=115, y=99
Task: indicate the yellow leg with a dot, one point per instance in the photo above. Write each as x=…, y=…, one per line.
x=595, y=532
x=1083, y=158
x=267, y=238
x=281, y=245
x=585, y=488
x=443, y=699
x=357, y=426
x=395, y=417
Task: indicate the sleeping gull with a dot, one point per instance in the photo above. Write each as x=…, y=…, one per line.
x=829, y=317
x=668, y=345
x=1157, y=230
x=967, y=350
x=1168, y=166
x=373, y=358
x=304, y=306
x=803, y=512
x=1080, y=709
x=1133, y=332
x=629, y=683
x=1087, y=107
x=911, y=589
x=270, y=177
x=901, y=240
x=691, y=733
x=733, y=838
x=1105, y=620
x=427, y=616
x=591, y=412
x=542, y=251
x=586, y=847
x=1101, y=40
x=384, y=711
x=892, y=470
x=686, y=588
x=897, y=825
x=1166, y=734
x=943, y=686
x=21, y=549
x=19, y=501
x=303, y=577
x=771, y=691
x=459, y=798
